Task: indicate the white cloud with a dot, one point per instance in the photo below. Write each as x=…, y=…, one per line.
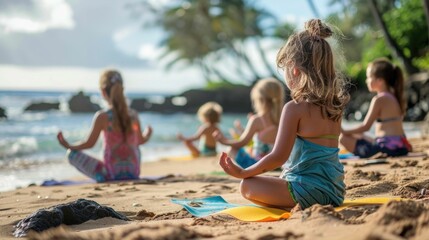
x=123, y=33
x=149, y=52
x=54, y=14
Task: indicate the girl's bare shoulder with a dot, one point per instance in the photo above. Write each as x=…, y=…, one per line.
x=101, y=114
x=297, y=107
x=101, y=118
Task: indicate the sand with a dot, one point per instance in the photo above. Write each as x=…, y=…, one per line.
x=153, y=216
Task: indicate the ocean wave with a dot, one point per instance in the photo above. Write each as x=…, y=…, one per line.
x=18, y=147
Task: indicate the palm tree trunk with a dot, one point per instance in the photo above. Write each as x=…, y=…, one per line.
x=214, y=71
x=245, y=59
x=264, y=59
x=204, y=70
x=409, y=67
x=426, y=9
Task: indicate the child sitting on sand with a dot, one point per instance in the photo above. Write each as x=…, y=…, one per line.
x=122, y=136
x=209, y=114
x=387, y=109
x=267, y=98
x=310, y=124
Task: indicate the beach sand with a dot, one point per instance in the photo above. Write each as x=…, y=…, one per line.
x=153, y=216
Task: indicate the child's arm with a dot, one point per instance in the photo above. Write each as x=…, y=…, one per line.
x=245, y=137
x=201, y=130
x=97, y=125
x=373, y=113
x=146, y=134
x=288, y=127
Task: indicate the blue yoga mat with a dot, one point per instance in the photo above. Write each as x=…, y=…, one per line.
x=347, y=156
x=201, y=207
x=54, y=182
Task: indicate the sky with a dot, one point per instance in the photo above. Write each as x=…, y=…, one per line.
x=63, y=45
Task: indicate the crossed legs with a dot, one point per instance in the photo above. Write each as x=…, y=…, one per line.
x=267, y=191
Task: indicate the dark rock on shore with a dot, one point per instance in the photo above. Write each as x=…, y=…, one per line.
x=43, y=106
x=233, y=100
x=166, y=106
x=71, y=213
x=80, y=103
x=2, y=113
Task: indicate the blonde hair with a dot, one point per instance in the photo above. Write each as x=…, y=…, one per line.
x=210, y=111
x=392, y=75
x=111, y=82
x=268, y=96
x=318, y=82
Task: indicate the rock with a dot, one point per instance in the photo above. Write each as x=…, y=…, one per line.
x=71, y=213
x=80, y=103
x=233, y=100
x=43, y=106
x=140, y=104
x=2, y=113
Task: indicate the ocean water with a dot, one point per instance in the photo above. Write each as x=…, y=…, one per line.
x=30, y=153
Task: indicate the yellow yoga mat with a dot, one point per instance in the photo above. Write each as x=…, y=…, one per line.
x=366, y=201
x=257, y=214
x=266, y=214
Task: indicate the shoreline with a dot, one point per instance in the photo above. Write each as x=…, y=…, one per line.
x=400, y=177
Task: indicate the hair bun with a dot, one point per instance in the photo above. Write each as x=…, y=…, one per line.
x=316, y=28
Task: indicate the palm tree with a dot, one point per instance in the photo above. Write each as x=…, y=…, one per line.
x=206, y=32
x=407, y=61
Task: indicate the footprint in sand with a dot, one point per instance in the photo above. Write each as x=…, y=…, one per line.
x=217, y=220
x=186, y=193
x=404, y=164
x=351, y=186
x=217, y=189
x=93, y=195
x=358, y=214
x=372, y=189
x=181, y=214
x=413, y=190
x=370, y=175
x=143, y=215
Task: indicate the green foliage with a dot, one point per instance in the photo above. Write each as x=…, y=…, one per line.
x=376, y=47
x=408, y=27
x=284, y=30
x=213, y=85
x=357, y=71
x=422, y=62
x=365, y=41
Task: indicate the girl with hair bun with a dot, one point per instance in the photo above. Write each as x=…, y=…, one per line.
x=310, y=124
x=122, y=136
